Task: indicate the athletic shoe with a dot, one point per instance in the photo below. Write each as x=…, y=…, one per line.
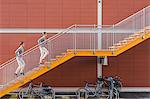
x=16, y=74
x=21, y=73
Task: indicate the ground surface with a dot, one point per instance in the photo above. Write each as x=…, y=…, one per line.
x=130, y=95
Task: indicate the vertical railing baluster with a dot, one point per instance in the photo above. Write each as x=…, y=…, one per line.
x=75, y=38
x=113, y=35
x=133, y=23
x=94, y=38
x=90, y=41
x=144, y=21
x=49, y=56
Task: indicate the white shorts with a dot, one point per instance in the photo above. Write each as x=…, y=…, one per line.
x=20, y=61
x=43, y=50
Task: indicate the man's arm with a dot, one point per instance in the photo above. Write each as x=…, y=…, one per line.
x=41, y=40
x=17, y=50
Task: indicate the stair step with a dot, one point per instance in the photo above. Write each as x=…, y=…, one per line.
x=118, y=44
x=124, y=41
x=54, y=59
x=47, y=62
x=59, y=56
x=140, y=32
x=70, y=50
x=64, y=53
x=36, y=69
x=135, y=35
x=129, y=38
x=147, y=28
x=12, y=82
x=113, y=47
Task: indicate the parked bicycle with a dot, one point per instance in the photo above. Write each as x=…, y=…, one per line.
x=36, y=91
x=92, y=90
x=108, y=87
x=114, y=85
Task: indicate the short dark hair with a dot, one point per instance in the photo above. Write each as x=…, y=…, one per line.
x=44, y=33
x=21, y=43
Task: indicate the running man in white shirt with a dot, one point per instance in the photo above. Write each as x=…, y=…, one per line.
x=44, y=52
x=19, y=58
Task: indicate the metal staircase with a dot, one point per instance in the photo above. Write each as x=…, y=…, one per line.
x=78, y=40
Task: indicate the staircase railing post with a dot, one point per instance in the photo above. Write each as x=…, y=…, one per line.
x=94, y=39
x=49, y=56
x=75, y=39
x=133, y=23
x=144, y=20
x=113, y=35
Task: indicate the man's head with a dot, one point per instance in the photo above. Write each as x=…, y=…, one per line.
x=21, y=43
x=44, y=33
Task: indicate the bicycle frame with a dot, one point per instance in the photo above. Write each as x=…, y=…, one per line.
x=32, y=92
x=96, y=90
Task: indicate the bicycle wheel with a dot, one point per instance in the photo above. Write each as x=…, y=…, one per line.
x=82, y=92
x=52, y=94
x=21, y=94
x=24, y=93
x=44, y=96
x=36, y=94
x=46, y=92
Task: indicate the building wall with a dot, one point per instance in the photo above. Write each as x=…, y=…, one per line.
x=63, y=13
x=47, y=13
x=133, y=66
x=73, y=73
x=115, y=11
x=10, y=42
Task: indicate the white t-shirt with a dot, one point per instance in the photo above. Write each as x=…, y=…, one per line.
x=19, y=51
x=42, y=41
